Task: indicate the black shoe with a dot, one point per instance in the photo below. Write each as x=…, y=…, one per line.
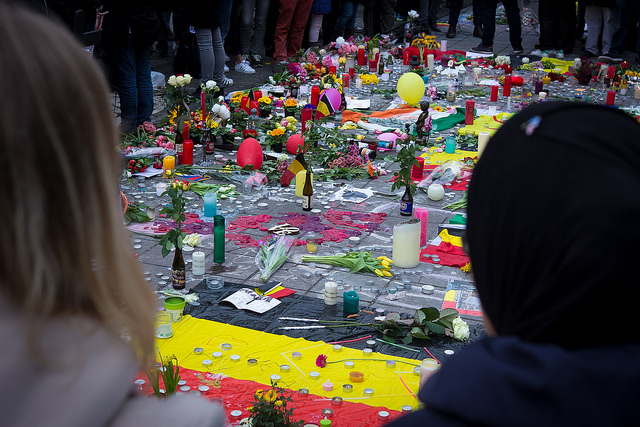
x=433, y=26
x=518, y=51
x=609, y=59
x=477, y=31
x=452, y=32
x=587, y=54
x=482, y=49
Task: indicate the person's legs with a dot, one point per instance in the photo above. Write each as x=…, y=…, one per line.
x=545, y=14
x=348, y=8
x=515, y=24
x=285, y=15
x=127, y=87
x=488, y=21
x=246, y=24
x=314, y=28
x=593, y=17
x=386, y=15
x=455, y=6
x=218, y=55
x=225, y=17
x=145, y=86
x=260, y=27
x=608, y=27
x=623, y=22
x=207, y=58
x=298, y=25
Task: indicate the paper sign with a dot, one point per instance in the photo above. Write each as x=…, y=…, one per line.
x=247, y=299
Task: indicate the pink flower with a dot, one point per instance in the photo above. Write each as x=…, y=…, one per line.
x=321, y=361
x=326, y=61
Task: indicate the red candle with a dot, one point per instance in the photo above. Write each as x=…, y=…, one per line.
x=611, y=71
x=244, y=104
x=203, y=106
x=373, y=66
x=305, y=115
x=185, y=131
x=611, y=97
x=187, y=152
x=377, y=57
x=418, y=171
x=469, y=112
x=255, y=105
x=345, y=80
x=332, y=70
x=506, y=89
x=494, y=94
x=257, y=94
x=361, y=59
x=315, y=95
x=405, y=57
x=352, y=72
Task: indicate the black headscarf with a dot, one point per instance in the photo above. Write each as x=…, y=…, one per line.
x=554, y=226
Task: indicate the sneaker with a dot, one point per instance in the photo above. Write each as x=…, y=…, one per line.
x=482, y=49
x=542, y=53
x=245, y=68
x=560, y=54
x=226, y=69
x=256, y=61
x=588, y=54
x=518, y=51
x=609, y=59
x=225, y=82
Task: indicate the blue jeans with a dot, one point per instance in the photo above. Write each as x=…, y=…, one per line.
x=348, y=17
x=134, y=86
x=254, y=14
x=225, y=17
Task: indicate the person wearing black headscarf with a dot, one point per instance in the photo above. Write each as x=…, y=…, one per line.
x=553, y=244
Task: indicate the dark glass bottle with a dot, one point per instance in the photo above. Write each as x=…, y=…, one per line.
x=406, y=203
x=179, y=144
x=178, y=271
x=307, y=193
x=208, y=142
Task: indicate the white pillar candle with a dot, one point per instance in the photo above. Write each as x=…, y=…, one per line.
x=406, y=244
x=483, y=140
x=198, y=263
x=430, y=60
x=443, y=46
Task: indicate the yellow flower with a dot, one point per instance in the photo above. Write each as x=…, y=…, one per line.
x=277, y=132
x=359, y=137
x=342, y=60
x=265, y=100
x=466, y=268
x=250, y=409
x=290, y=103
x=172, y=116
x=270, y=395
x=437, y=108
x=258, y=394
x=291, y=120
x=278, y=403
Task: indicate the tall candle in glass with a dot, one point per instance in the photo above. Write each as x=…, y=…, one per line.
x=218, y=239
x=406, y=244
x=210, y=204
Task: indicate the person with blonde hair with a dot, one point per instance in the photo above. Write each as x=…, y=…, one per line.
x=76, y=315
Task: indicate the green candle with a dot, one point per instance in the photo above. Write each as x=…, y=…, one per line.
x=351, y=303
x=218, y=239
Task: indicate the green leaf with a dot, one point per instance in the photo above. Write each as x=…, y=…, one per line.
x=446, y=323
x=393, y=316
x=449, y=314
x=419, y=334
x=407, y=339
x=430, y=313
x=435, y=328
x=388, y=339
x=419, y=317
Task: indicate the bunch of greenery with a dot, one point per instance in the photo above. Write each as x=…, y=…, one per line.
x=406, y=157
x=175, y=211
x=169, y=371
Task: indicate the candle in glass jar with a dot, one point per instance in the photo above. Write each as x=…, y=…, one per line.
x=506, y=89
x=315, y=95
x=373, y=66
x=362, y=60
x=469, y=112
x=494, y=94
x=168, y=164
x=611, y=97
x=187, y=152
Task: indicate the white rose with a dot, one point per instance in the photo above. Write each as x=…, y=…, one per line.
x=172, y=81
x=224, y=113
x=460, y=329
x=215, y=109
x=525, y=60
x=211, y=85
x=322, y=51
x=339, y=41
x=221, y=98
x=413, y=14
x=180, y=81
x=327, y=85
x=187, y=79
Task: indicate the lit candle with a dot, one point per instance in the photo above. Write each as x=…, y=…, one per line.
x=611, y=97
x=406, y=244
x=210, y=204
x=198, y=263
x=506, y=89
x=168, y=164
x=187, y=152
x=494, y=94
x=244, y=104
x=423, y=215
x=483, y=140
x=315, y=95
x=203, y=106
x=428, y=367
x=257, y=94
x=406, y=57
x=469, y=112
x=361, y=57
x=351, y=303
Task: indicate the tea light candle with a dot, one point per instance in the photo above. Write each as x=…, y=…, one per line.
x=349, y=364
x=234, y=358
x=391, y=364
x=368, y=392
x=337, y=348
x=347, y=388
x=296, y=355
x=327, y=386
x=314, y=375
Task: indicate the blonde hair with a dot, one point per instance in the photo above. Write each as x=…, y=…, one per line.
x=64, y=248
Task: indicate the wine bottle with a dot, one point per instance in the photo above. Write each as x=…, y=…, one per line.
x=178, y=271
x=178, y=144
x=307, y=193
x=406, y=203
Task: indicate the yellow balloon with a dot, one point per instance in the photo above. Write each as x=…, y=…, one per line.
x=410, y=88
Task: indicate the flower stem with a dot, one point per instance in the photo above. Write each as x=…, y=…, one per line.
x=372, y=360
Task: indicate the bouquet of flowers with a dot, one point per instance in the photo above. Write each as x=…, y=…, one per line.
x=584, y=71
x=177, y=98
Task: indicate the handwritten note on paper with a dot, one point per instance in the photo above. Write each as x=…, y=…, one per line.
x=248, y=299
